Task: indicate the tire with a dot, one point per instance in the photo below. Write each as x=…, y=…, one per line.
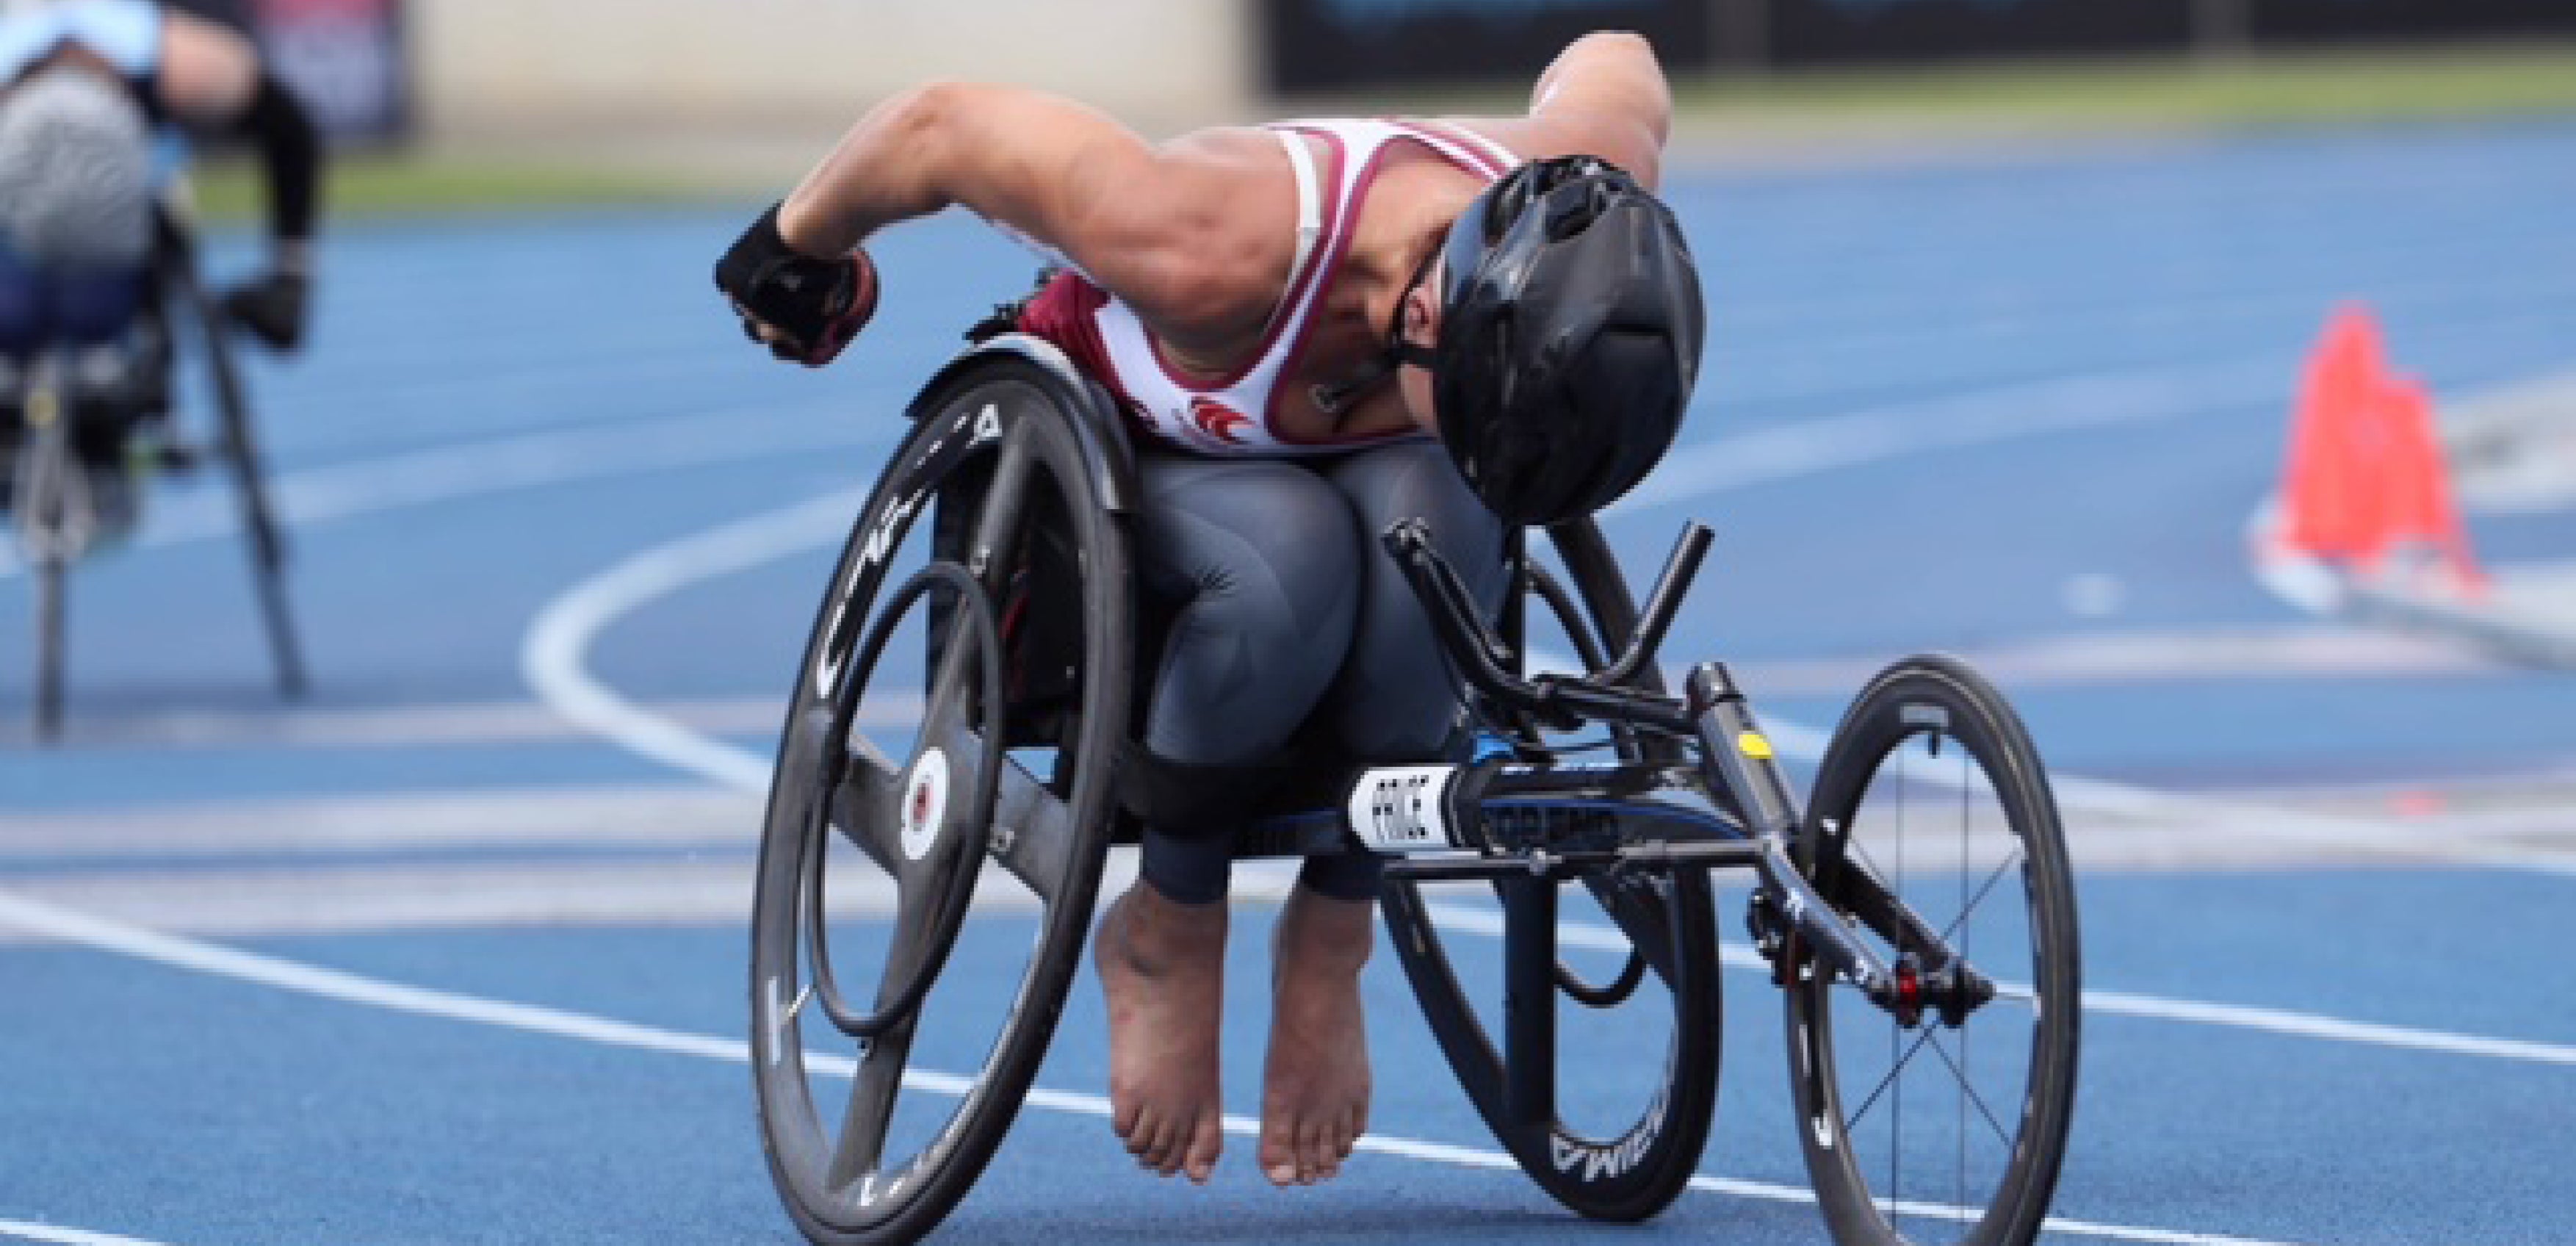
x=1632, y=1171
x=1049, y=830
x=50, y=518
x=239, y=446
x=1968, y=1149
x=49, y=647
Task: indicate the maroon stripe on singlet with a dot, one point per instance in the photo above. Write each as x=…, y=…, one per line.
x=1341, y=247
x=1479, y=164
x=1298, y=282
x=1480, y=159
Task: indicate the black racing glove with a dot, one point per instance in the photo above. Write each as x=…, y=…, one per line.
x=817, y=305
x=272, y=308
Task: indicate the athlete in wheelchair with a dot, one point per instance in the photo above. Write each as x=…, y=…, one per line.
x=98, y=273
x=1362, y=360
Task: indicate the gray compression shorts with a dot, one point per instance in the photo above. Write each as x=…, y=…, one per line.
x=1285, y=608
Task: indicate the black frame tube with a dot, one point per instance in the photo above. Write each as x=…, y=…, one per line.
x=1735, y=757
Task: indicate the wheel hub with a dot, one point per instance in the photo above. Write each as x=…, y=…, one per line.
x=925, y=802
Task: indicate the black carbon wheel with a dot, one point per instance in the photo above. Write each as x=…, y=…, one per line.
x=1646, y=974
x=948, y=745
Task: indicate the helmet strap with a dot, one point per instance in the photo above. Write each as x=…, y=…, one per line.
x=1335, y=398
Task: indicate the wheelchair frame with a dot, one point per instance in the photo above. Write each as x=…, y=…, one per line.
x=54, y=521
x=1521, y=818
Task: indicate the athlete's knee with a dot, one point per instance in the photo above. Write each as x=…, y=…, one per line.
x=1416, y=480
x=1256, y=567
x=1397, y=697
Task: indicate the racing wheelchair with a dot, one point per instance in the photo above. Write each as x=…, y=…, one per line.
x=954, y=741
x=75, y=439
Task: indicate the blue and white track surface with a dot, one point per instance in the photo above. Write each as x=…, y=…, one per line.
x=455, y=950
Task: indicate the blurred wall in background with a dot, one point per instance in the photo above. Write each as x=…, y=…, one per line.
x=345, y=57
x=1813, y=32
x=548, y=69
x=1310, y=44
x=1326, y=45
x=494, y=67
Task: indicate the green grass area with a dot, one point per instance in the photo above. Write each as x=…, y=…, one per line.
x=2171, y=93
x=375, y=184
x=2223, y=92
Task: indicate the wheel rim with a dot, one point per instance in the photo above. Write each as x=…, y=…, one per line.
x=1933, y=1132
x=910, y=1140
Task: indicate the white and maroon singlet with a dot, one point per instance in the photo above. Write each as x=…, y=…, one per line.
x=1236, y=414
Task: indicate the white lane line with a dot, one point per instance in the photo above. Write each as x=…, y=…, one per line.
x=1977, y=417
x=552, y=658
x=320, y=494
x=315, y=980
x=2118, y=1003
x=67, y=1237
x=2206, y=816
x=405, y=725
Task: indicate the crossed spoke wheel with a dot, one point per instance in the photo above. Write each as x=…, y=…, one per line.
x=1948, y=1124
x=1649, y=964
x=939, y=814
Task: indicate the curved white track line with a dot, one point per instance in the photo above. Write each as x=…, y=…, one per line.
x=334, y=984
x=1976, y=417
x=68, y=1237
x=552, y=659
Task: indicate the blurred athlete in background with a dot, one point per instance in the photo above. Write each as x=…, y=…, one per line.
x=97, y=100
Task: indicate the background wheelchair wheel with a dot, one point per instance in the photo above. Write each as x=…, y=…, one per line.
x=1937, y=1133
x=50, y=518
x=1639, y=954
x=239, y=446
x=861, y=860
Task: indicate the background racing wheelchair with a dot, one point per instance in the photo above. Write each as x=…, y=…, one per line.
x=953, y=746
x=84, y=429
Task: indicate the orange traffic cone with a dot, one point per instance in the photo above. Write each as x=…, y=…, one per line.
x=2366, y=477
x=2325, y=488
x=2417, y=511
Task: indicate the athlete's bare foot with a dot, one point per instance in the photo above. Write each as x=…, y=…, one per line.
x=1315, y=1091
x=1162, y=967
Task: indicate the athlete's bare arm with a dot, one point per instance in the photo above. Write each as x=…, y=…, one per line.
x=1605, y=96
x=208, y=72
x=1185, y=233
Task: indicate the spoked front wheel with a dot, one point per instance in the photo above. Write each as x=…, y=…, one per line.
x=939, y=815
x=1943, y=1121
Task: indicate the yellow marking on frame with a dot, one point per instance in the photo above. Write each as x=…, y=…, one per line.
x=1753, y=745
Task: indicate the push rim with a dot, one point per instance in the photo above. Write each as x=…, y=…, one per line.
x=999, y=430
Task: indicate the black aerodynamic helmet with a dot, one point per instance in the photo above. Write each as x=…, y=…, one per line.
x=1569, y=338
